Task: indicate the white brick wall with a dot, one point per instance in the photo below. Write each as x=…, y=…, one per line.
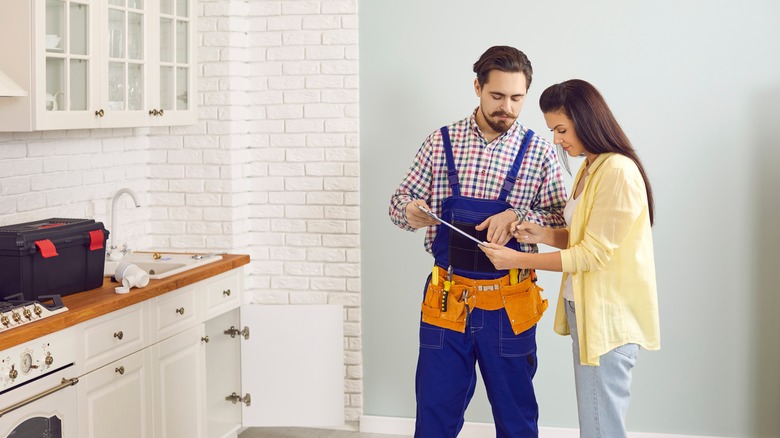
x=279, y=91
x=270, y=170
x=74, y=174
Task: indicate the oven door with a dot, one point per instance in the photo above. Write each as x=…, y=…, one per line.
x=46, y=407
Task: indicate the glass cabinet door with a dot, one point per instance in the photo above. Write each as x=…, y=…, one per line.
x=126, y=56
x=67, y=55
x=175, y=63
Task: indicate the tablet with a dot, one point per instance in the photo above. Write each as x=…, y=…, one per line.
x=430, y=213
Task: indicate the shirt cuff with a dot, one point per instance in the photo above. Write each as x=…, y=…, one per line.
x=567, y=260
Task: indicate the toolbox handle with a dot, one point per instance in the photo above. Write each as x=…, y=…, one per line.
x=96, y=239
x=46, y=248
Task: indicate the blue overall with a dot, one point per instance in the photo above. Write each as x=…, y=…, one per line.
x=446, y=374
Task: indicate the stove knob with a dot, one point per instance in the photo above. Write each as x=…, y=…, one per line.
x=11, y=374
x=4, y=319
x=17, y=317
x=37, y=309
x=49, y=359
x=27, y=313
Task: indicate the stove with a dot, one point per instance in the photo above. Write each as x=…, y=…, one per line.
x=16, y=311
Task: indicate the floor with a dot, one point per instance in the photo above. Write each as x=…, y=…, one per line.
x=300, y=432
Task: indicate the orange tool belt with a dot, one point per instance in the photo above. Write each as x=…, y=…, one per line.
x=447, y=303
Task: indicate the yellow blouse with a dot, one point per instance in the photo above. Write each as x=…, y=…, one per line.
x=610, y=260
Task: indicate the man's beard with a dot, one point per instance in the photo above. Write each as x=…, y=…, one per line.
x=499, y=126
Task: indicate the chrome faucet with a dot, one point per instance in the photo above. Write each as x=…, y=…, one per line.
x=112, y=235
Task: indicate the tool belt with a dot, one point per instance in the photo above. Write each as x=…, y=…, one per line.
x=447, y=302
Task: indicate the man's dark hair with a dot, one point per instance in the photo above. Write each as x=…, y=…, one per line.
x=503, y=58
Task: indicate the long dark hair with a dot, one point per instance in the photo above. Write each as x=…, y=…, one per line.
x=595, y=124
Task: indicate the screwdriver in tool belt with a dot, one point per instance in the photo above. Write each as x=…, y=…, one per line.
x=447, y=286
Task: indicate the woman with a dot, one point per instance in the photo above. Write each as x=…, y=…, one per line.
x=608, y=299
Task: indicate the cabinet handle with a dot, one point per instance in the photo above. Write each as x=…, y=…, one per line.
x=120, y=370
x=119, y=335
x=180, y=310
x=226, y=293
x=205, y=339
x=100, y=113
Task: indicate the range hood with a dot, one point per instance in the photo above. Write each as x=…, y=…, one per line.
x=10, y=88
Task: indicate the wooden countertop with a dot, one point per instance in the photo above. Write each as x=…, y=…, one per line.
x=83, y=306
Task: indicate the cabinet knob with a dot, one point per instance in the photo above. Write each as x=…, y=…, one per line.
x=100, y=113
x=180, y=310
x=160, y=113
x=120, y=370
x=153, y=112
x=119, y=335
x=205, y=339
x=226, y=292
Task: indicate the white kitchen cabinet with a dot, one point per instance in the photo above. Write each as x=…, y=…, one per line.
x=115, y=399
x=223, y=365
x=178, y=365
x=98, y=63
x=198, y=362
x=271, y=365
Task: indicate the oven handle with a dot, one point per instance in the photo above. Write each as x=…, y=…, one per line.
x=65, y=383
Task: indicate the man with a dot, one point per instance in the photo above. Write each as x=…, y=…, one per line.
x=480, y=174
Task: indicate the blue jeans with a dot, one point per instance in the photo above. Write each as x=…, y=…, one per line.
x=446, y=376
x=604, y=391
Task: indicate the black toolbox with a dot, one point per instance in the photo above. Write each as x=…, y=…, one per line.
x=51, y=257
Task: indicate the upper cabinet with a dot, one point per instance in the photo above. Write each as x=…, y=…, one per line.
x=98, y=63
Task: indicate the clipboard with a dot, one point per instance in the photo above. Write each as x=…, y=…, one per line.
x=463, y=233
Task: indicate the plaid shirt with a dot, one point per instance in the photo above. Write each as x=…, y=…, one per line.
x=482, y=168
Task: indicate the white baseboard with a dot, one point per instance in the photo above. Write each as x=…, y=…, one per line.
x=405, y=426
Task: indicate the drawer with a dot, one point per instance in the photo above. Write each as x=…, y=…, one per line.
x=115, y=335
x=173, y=312
x=223, y=293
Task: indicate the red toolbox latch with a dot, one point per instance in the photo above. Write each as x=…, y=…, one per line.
x=96, y=240
x=46, y=248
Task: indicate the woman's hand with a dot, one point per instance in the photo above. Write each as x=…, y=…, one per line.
x=529, y=232
x=501, y=256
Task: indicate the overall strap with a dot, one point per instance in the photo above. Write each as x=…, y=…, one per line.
x=452, y=172
x=511, y=176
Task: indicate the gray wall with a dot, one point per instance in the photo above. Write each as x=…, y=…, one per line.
x=696, y=85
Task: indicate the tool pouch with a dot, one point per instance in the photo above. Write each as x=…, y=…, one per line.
x=454, y=317
x=524, y=304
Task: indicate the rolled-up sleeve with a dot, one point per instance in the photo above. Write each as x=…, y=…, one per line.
x=618, y=200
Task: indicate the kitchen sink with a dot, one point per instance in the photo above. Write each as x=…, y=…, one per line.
x=166, y=265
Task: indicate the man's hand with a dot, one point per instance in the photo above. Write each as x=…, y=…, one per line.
x=416, y=217
x=498, y=226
